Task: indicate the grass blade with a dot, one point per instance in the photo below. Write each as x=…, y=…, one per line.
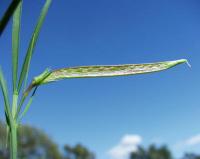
x=27, y=60
x=22, y=101
x=26, y=108
x=15, y=43
x=5, y=94
x=101, y=71
x=7, y=15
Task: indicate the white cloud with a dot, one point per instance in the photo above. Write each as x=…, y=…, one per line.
x=128, y=144
x=195, y=140
x=189, y=144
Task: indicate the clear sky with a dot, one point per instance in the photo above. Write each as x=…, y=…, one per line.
x=159, y=108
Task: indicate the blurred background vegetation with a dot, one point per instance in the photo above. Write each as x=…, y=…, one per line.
x=35, y=144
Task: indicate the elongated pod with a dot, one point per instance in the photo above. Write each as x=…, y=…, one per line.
x=102, y=71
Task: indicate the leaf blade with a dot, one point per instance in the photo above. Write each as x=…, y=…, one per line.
x=107, y=71
x=32, y=44
x=26, y=108
x=15, y=43
x=4, y=90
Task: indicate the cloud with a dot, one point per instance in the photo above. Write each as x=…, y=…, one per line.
x=190, y=144
x=193, y=141
x=128, y=144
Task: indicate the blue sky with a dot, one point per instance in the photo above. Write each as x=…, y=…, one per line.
x=161, y=107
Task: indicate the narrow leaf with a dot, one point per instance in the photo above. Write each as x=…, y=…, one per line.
x=25, y=94
x=7, y=15
x=27, y=60
x=26, y=108
x=5, y=94
x=105, y=71
x=15, y=43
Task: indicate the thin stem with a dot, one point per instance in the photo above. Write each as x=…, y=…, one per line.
x=13, y=128
x=14, y=104
x=13, y=140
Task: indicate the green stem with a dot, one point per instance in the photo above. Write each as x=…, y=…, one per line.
x=14, y=104
x=13, y=141
x=13, y=128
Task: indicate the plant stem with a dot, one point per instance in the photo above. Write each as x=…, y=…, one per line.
x=13, y=140
x=14, y=104
x=13, y=128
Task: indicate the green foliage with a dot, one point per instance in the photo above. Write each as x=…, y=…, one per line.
x=78, y=152
x=159, y=153
x=35, y=144
x=162, y=152
x=152, y=153
x=32, y=142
